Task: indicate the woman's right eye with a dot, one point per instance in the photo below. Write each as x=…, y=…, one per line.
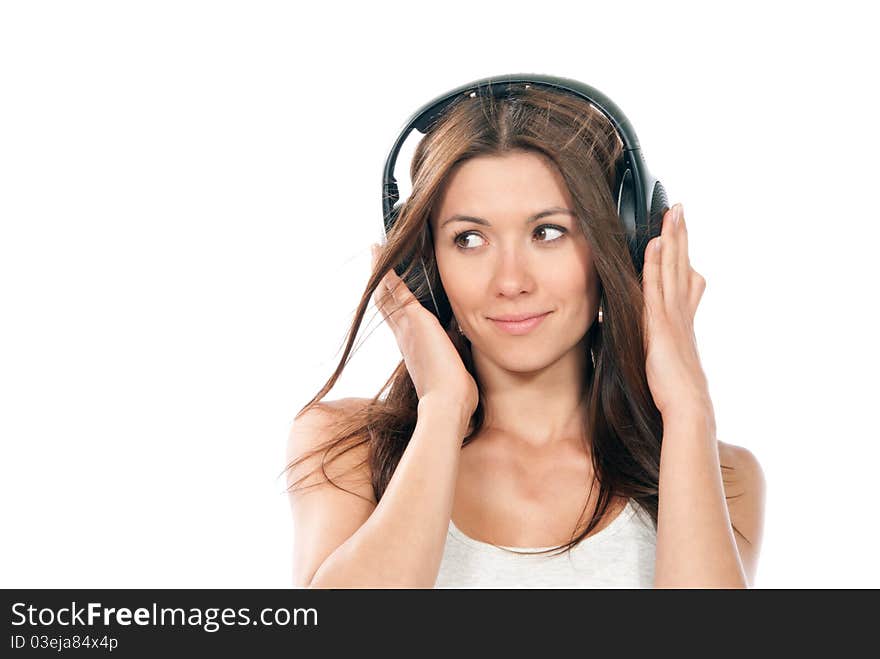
x=465, y=234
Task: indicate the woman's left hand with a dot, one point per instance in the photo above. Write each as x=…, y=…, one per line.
x=672, y=290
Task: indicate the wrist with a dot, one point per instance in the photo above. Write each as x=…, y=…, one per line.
x=447, y=409
x=698, y=413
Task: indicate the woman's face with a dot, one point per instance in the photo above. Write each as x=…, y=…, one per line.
x=502, y=263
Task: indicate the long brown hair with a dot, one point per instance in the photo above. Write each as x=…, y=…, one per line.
x=578, y=139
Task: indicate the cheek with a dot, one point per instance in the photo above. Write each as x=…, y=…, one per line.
x=572, y=287
x=455, y=283
x=578, y=294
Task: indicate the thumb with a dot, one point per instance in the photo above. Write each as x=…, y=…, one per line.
x=651, y=274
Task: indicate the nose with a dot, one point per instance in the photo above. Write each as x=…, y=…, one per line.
x=512, y=273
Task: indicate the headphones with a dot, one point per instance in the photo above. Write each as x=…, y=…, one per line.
x=640, y=198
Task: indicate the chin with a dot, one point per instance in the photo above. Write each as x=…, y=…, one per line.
x=524, y=359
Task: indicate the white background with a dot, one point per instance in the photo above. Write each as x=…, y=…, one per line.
x=188, y=192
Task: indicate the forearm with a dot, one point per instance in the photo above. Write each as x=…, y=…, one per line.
x=696, y=547
x=401, y=544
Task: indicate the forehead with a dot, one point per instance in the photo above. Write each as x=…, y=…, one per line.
x=505, y=187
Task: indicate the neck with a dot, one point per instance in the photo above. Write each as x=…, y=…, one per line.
x=541, y=409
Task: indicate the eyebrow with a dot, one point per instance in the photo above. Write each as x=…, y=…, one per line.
x=555, y=210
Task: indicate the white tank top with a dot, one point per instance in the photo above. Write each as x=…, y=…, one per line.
x=619, y=556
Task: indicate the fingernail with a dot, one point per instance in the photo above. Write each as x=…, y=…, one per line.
x=676, y=214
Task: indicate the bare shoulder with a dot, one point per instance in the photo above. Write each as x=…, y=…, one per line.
x=745, y=488
x=746, y=469
x=346, y=464
x=333, y=495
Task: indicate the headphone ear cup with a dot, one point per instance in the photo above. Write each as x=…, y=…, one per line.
x=626, y=212
x=399, y=268
x=651, y=226
x=435, y=300
x=640, y=230
x=659, y=206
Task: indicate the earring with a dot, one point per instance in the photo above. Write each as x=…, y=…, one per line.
x=600, y=313
x=460, y=331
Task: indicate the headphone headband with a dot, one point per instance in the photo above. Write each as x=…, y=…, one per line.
x=424, y=118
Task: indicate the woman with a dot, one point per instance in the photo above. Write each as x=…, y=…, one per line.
x=526, y=454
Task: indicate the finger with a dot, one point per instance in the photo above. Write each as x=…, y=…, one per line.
x=669, y=260
x=652, y=281
x=383, y=298
x=401, y=291
x=685, y=272
x=684, y=260
x=698, y=286
x=386, y=283
x=652, y=288
x=400, y=297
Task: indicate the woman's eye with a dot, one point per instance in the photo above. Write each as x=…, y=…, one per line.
x=540, y=230
x=463, y=236
x=558, y=230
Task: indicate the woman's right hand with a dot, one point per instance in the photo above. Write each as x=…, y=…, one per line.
x=434, y=364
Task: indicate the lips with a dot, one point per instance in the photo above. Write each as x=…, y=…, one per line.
x=519, y=327
x=515, y=318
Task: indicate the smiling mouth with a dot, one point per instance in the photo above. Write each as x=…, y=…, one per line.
x=515, y=318
x=519, y=327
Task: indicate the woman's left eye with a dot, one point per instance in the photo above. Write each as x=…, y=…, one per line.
x=552, y=228
x=543, y=228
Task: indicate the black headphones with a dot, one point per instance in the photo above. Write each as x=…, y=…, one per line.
x=640, y=197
